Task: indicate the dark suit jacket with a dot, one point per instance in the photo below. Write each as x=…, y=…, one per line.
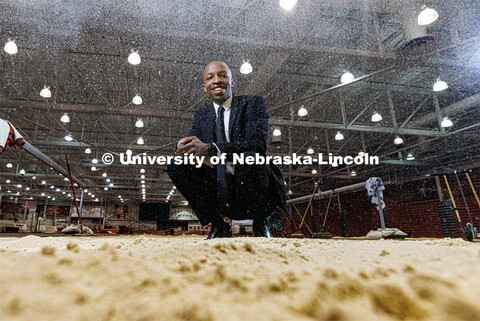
x=248, y=128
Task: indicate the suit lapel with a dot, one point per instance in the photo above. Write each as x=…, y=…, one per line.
x=233, y=114
x=210, y=124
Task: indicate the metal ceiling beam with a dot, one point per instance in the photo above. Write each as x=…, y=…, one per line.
x=373, y=129
x=470, y=102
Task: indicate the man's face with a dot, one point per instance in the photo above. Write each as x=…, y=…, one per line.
x=217, y=81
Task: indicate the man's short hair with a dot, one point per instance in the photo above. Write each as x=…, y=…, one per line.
x=208, y=63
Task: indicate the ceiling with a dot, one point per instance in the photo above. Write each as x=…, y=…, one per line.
x=80, y=50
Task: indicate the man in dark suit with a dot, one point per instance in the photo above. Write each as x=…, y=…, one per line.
x=231, y=124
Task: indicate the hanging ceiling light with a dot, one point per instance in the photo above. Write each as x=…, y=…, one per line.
x=302, y=112
x=439, y=85
x=134, y=58
x=27, y=188
x=310, y=151
x=45, y=92
x=446, y=122
x=142, y=176
x=93, y=168
x=376, y=117
x=65, y=119
x=68, y=138
x=107, y=180
x=314, y=171
x=10, y=47
x=335, y=164
x=139, y=123
x=95, y=161
x=277, y=132
x=140, y=141
x=339, y=136
x=104, y=175
x=9, y=165
x=347, y=77
x=410, y=156
x=88, y=150
x=137, y=100
x=34, y=177
x=287, y=4
x=427, y=16
x=361, y=153
x=353, y=173
x=398, y=140
x=142, y=171
x=111, y=184
x=7, y=181
x=105, y=188
x=246, y=68
x=22, y=172
x=44, y=182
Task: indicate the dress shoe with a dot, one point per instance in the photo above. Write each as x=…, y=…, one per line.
x=261, y=230
x=220, y=230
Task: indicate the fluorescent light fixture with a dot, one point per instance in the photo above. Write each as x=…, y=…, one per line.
x=310, y=151
x=140, y=141
x=398, y=140
x=287, y=4
x=68, y=138
x=65, y=118
x=137, y=100
x=347, y=77
x=246, y=68
x=339, y=136
x=446, y=122
x=376, y=117
x=45, y=92
x=440, y=85
x=139, y=123
x=427, y=16
x=134, y=58
x=302, y=112
x=10, y=47
x=277, y=132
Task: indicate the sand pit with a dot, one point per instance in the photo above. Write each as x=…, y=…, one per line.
x=188, y=278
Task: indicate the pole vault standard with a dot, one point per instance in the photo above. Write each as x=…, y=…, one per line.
x=44, y=158
x=469, y=231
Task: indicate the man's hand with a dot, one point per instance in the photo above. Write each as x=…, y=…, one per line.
x=192, y=145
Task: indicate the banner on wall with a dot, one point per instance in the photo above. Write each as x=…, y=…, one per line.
x=92, y=211
x=182, y=214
